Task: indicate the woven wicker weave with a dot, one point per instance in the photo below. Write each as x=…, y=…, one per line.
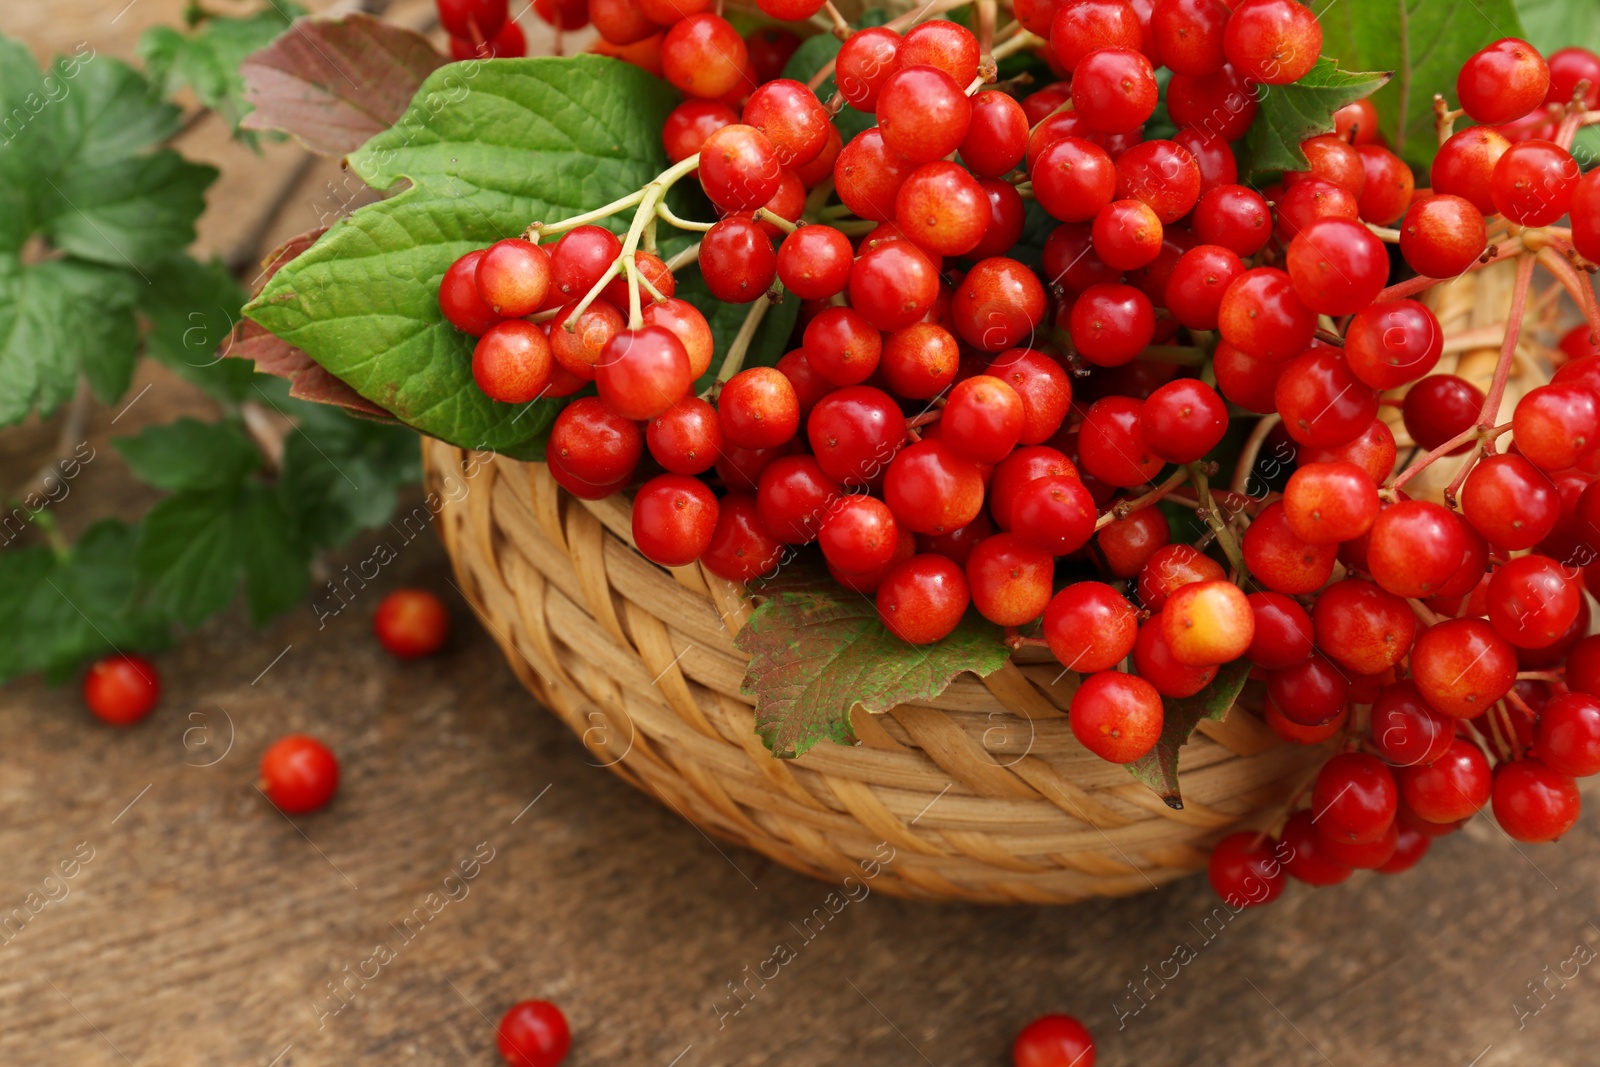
x=983, y=796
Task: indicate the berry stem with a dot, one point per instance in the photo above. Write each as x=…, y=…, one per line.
x=1428, y=616
x=1444, y=120
x=1453, y=490
x=655, y=294
x=537, y=230
x=1427, y=461
x=1572, y=115
x=1581, y=290
x=763, y=215
x=1519, y=303
x=571, y=325
x=1213, y=518
x=1022, y=42
x=1385, y=234
x=922, y=14
x=683, y=259
x=1016, y=641
x=1484, y=431
x=1246, y=465
x=1413, y=286
x=1511, y=730
x=1521, y=705
x=540, y=317
x=839, y=24
x=47, y=525
x=733, y=362
x=987, y=12
x=1138, y=503
x=1540, y=676
x=666, y=214
x=650, y=206
x=817, y=199
x=855, y=227
x=1501, y=747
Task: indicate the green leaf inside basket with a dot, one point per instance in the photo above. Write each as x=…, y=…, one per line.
x=816, y=650
x=1158, y=768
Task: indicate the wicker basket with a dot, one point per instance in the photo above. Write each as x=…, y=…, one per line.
x=984, y=795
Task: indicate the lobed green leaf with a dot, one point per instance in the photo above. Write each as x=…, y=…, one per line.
x=1292, y=113
x=1158, y=768
x=47, y=335
x=196, y=546
x=1424, y=42
x=63, y=610
x=208, y=59
x=342, y=475
x=816, y=650
x=191, y=309
x=190, y=454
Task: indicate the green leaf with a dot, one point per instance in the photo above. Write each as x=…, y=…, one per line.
x=488, y=148
x=1037, y=225
x=196, y=546
x=192, y=308
x=208, y=59
x=1158, y=768
x=107, y=193
x=60, y=611
x=1424, y=42
x=57, y=318
x=1292, y=113
x=86, y=187
x=26, y=137
x=190, y=454
x=816, y=650
x=1551, y=25
x=273, y=556
x=812, y=55
x=341, y=475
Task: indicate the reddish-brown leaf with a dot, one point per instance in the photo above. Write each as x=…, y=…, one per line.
x=335, y=83
x=307, y=379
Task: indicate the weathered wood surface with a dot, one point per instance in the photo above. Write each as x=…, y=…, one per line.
x=205, y=929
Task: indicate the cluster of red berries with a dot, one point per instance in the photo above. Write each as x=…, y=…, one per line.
x=482, y=29
x=1441, y=610
x=955, y=430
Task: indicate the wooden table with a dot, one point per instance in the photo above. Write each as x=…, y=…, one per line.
x=202, y=927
